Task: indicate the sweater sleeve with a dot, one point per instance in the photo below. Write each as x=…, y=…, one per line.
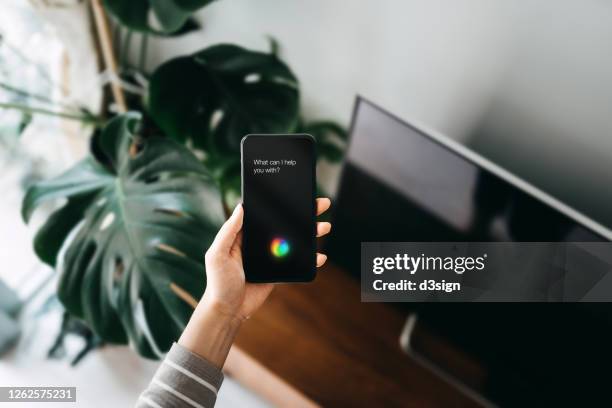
x=182, y=380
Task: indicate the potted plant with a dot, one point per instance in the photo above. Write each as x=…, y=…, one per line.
x=162, y=171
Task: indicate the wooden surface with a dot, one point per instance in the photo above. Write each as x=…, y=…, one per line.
x=258, y=378
x=320, y=339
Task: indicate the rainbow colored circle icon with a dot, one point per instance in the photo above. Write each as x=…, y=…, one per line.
x=279, y=247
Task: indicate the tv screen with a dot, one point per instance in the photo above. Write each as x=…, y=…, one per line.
x=401, y=183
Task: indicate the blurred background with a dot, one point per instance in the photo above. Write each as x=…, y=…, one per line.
x=525, y=85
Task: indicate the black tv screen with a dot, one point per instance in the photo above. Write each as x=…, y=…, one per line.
x=406, y=184
x=402, y=183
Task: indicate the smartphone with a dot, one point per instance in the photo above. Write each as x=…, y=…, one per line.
x=278, y=196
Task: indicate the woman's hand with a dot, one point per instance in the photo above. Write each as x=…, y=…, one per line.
x=226, y=287
x=229, y=299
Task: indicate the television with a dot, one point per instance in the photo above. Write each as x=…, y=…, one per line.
x=402, y=182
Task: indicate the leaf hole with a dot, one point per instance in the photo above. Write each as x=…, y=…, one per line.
x=183, y=294
x=216, y=118
x=161, y=176
x=252, y=78
x=284, y=81
x=118, y=269
x=170, y=211
x=171, y=250
x=153, y=20
x=107, y=221
x=136, y=147
x=152, y=179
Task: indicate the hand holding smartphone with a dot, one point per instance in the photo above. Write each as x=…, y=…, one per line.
x=278, y=193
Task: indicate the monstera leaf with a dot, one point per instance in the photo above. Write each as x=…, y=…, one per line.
x=134, y=231
x=156, y=16
x=220, y=94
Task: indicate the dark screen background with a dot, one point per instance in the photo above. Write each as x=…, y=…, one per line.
x=279, y=205
x=408, y=187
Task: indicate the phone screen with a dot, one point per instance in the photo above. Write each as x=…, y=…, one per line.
x=278, y=187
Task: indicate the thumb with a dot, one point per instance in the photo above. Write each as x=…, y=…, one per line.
x=227, y=234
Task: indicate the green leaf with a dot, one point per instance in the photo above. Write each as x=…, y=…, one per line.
x=136, y=254
x=51, y=235
x=331, y=139
x=26, y=119
x=85, y=177
x=164, y=17
x=222, y=93
x=189, y=26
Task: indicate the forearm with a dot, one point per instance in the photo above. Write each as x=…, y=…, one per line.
x=183, y=379
x=210, y=333
x=190, y=375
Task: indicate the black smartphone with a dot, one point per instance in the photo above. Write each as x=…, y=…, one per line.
x=278, y=196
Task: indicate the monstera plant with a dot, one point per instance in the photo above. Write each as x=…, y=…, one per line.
x=220, y=94
x=139, y=219
x=137, y=214
x=159, y=17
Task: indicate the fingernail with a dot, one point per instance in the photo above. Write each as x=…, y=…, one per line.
x=321, y=259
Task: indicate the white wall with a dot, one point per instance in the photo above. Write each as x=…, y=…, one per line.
x=434, y=60
x=532, y=77
x=550, y=119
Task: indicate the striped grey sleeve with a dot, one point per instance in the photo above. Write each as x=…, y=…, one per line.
x=182, y=380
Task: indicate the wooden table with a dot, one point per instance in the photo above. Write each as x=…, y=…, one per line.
x=317, y=343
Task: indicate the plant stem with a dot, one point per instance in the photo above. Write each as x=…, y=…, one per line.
x=274, y=46
x=29, y=109
x=104, y=37
x=28, y=94
x=143, y=52
x=125, y=51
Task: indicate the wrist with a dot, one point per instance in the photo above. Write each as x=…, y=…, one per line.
x=222, y=312
x=210, y=332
